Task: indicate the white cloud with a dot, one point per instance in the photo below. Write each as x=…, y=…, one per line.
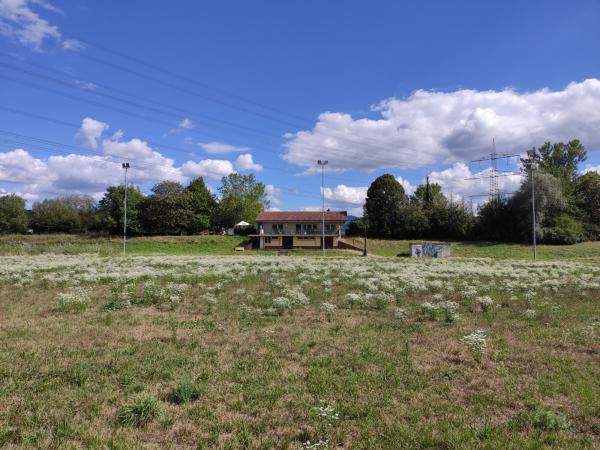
x=19, y=166
x=219, y=147
x=589, y=168
x=185, y=124
x=20, y=22
x=86, y=85
x=312, y=208
x=346, y=194
x=90, y=131
x=149, y=165
x=213, y=169
x=72, y=44
x=408, y=187
x=273, y=194
x=453, y=181
x=245, y=162
x=448, y=127
x=353, y=197
x=55, y=175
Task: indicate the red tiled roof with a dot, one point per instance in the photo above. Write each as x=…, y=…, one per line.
x=301, y=216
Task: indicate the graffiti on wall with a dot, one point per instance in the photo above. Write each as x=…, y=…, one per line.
x=431, y=250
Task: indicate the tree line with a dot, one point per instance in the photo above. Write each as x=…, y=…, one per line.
x=567, y=205
x=171, y=208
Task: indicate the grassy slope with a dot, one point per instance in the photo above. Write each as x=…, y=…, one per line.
x=224, y=245
x=74, y=244
x=488, y=249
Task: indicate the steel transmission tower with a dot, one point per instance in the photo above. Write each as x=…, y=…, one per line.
x=494, y=193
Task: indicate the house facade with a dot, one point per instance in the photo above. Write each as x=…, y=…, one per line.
x=298, y=229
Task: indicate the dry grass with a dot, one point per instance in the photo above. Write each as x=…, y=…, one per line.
x=391, y=383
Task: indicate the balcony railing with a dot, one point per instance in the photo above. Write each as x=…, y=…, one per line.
x=299, y=233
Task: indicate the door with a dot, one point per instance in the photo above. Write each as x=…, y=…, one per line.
x=288, y=242
x=328, y=242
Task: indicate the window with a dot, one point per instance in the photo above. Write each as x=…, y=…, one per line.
x=267, y=239
x=277, y=228
x=330, y=227
x=310, y=228
x=298, y=228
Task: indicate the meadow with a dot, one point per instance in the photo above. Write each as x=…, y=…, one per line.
x=224, y=245
x=249, y=351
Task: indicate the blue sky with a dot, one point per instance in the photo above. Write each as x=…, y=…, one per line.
x=182, y=89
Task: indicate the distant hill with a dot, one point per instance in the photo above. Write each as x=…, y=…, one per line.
x=349, y=220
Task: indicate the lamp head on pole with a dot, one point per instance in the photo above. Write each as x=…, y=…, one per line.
x=125, y=165
x=322, y=163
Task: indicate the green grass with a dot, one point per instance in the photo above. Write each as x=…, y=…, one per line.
x=219, y=368
x=139, y=412
x=382, y=247
x=225, y=245
x=188, y=390
x=113, y=245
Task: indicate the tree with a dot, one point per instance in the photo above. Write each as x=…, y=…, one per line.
x=495, y=222
x=558, y=159
x=242, y=198
x=55, y=216
x=111, y=209
x=587, y=193
x=357, y=227
x=13, y=217
x=167, y=187
x=412, y=221
x=429, y=194
x=385, y=198
x=168, y=210
x=550, y=203
x=203, y=204
x=459, y=222
x=85, y=206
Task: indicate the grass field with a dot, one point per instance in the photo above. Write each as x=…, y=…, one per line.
x=383, y=247
x=224, y=245
x=301, y=352
x=113, y=245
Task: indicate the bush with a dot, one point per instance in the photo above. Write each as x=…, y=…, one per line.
x=565, y=231
x=139, y=412
x=548, y=420
x=188, y=390
x=541, y=418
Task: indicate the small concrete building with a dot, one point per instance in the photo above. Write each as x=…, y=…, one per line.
x=298, y=229
x=431, y=249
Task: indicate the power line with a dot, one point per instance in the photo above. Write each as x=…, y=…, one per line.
x=143, y=116
x=47, y=145
x=151, y=143
x=171, y=73
x=494, y=173
x=182, y=77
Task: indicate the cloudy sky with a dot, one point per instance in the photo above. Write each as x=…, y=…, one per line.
x=185, y=90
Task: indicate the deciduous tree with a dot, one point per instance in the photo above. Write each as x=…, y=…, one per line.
x=13, y=217
x=385, y=197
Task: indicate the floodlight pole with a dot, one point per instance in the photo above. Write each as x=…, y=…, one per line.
x=533, y=211
x=323, y=164
x=126, y=167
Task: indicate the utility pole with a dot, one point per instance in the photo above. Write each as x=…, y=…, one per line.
x=533, y=211
x=323, y=164
x=126, y=167
x=365, y=243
